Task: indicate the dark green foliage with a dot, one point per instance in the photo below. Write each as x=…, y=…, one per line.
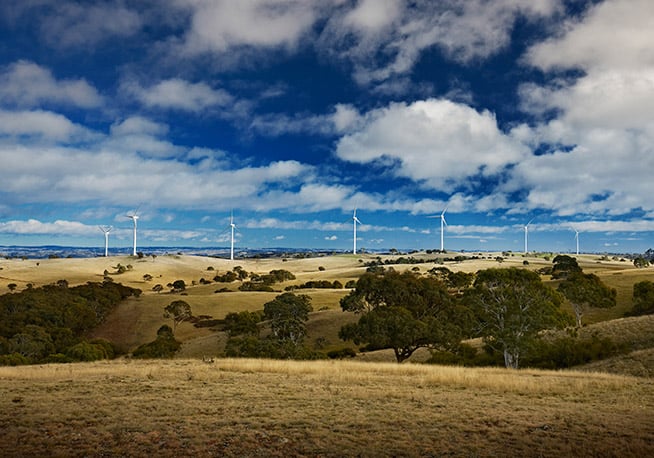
x=253, y=347
x=227, y=277
x=341, y=353
x=13, y=359
x=569, y=351
x=351, y=284
x=252, y=286
x=179, y=285
x=643, y=298
x=512, y=306
x=164, y=346
x=178, y=311
x=404, y=312
x=85, y=351
x=584, y=291
x=242, y=323
x=288, y=314
x=640, y=262
x=317, y=284
x=38, y=322
x=564, y=265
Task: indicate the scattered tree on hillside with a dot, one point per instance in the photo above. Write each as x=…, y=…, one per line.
x=640, y=262
x=178, y=311
x=288, y=314
x=404, y=311
x=242, y=323
x=12, y=287
x=643, y=298
x=178, y=285
x=157, y=288
x=584, y=291
x=564, y=265
x=512, y=306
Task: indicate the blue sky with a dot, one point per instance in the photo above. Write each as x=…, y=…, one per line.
x=291, y=113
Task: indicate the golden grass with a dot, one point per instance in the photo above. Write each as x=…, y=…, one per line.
x=325, y=408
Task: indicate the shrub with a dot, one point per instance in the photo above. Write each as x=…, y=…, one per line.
x=164, y=346
x=341, y=353
x=85, y=351
x=13, y=359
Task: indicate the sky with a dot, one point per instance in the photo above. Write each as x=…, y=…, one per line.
x=291, y=114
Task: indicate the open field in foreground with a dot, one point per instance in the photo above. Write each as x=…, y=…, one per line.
x=284, y=408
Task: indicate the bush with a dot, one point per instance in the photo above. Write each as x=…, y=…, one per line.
x=341, y=353
x=571, y=351
x=85, y=351
x=13, y=359
x=164, y=346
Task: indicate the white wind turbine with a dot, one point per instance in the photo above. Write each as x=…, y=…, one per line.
x=443, y=224
x=576, y=239
x=355, y=221
x=232, y=226
x=106, y=230
x=134, y=217
x=527, y=234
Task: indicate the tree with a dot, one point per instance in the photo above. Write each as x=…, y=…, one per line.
x=643, y=298
x=242, y=323
x=12, y=287
x=640, y=262
x=179, y=311
x=288, y=314
x=584, y=291
x=157, y=288
x=404, y=311
x=512, y=306
x=564, y=266
x=179, y=285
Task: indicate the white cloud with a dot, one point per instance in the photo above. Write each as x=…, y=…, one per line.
x=179, y=94
x=26, y=84
x=331, y=238
x=603, y=116
x=464, y=30
x=72, y=25
x=221, y=25
x=40, y=125
x=436, y=142
x=59, y=227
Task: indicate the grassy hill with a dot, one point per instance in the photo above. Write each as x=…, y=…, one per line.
x=238, y=408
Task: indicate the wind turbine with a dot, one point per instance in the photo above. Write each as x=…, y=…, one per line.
x=232, y=226
x=443, y=224
x=106, y=230
x=527, y=234
x=134, y=217
x=355, y=221
x=576, y=239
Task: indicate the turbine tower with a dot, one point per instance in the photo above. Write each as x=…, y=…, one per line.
x=232, y=226
x=527, y=234
x=134, y=217
x=577, y=239
x=106, y=230
x=443, y=224
x=355, y=221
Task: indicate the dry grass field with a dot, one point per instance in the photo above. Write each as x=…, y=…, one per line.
x=185, y=407
x=240, y=408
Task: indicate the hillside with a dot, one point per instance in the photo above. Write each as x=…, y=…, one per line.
x=136, y=321
x=238, y=408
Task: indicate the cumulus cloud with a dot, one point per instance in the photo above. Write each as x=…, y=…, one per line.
x=71, y=25
x=219, y=26
x=179, y=94
x=602, y=136
x=40, y=126
x=464, y=30
x=437, y=142
x=26, y=84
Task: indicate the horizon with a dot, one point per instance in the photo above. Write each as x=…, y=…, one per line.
x=290, y=115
